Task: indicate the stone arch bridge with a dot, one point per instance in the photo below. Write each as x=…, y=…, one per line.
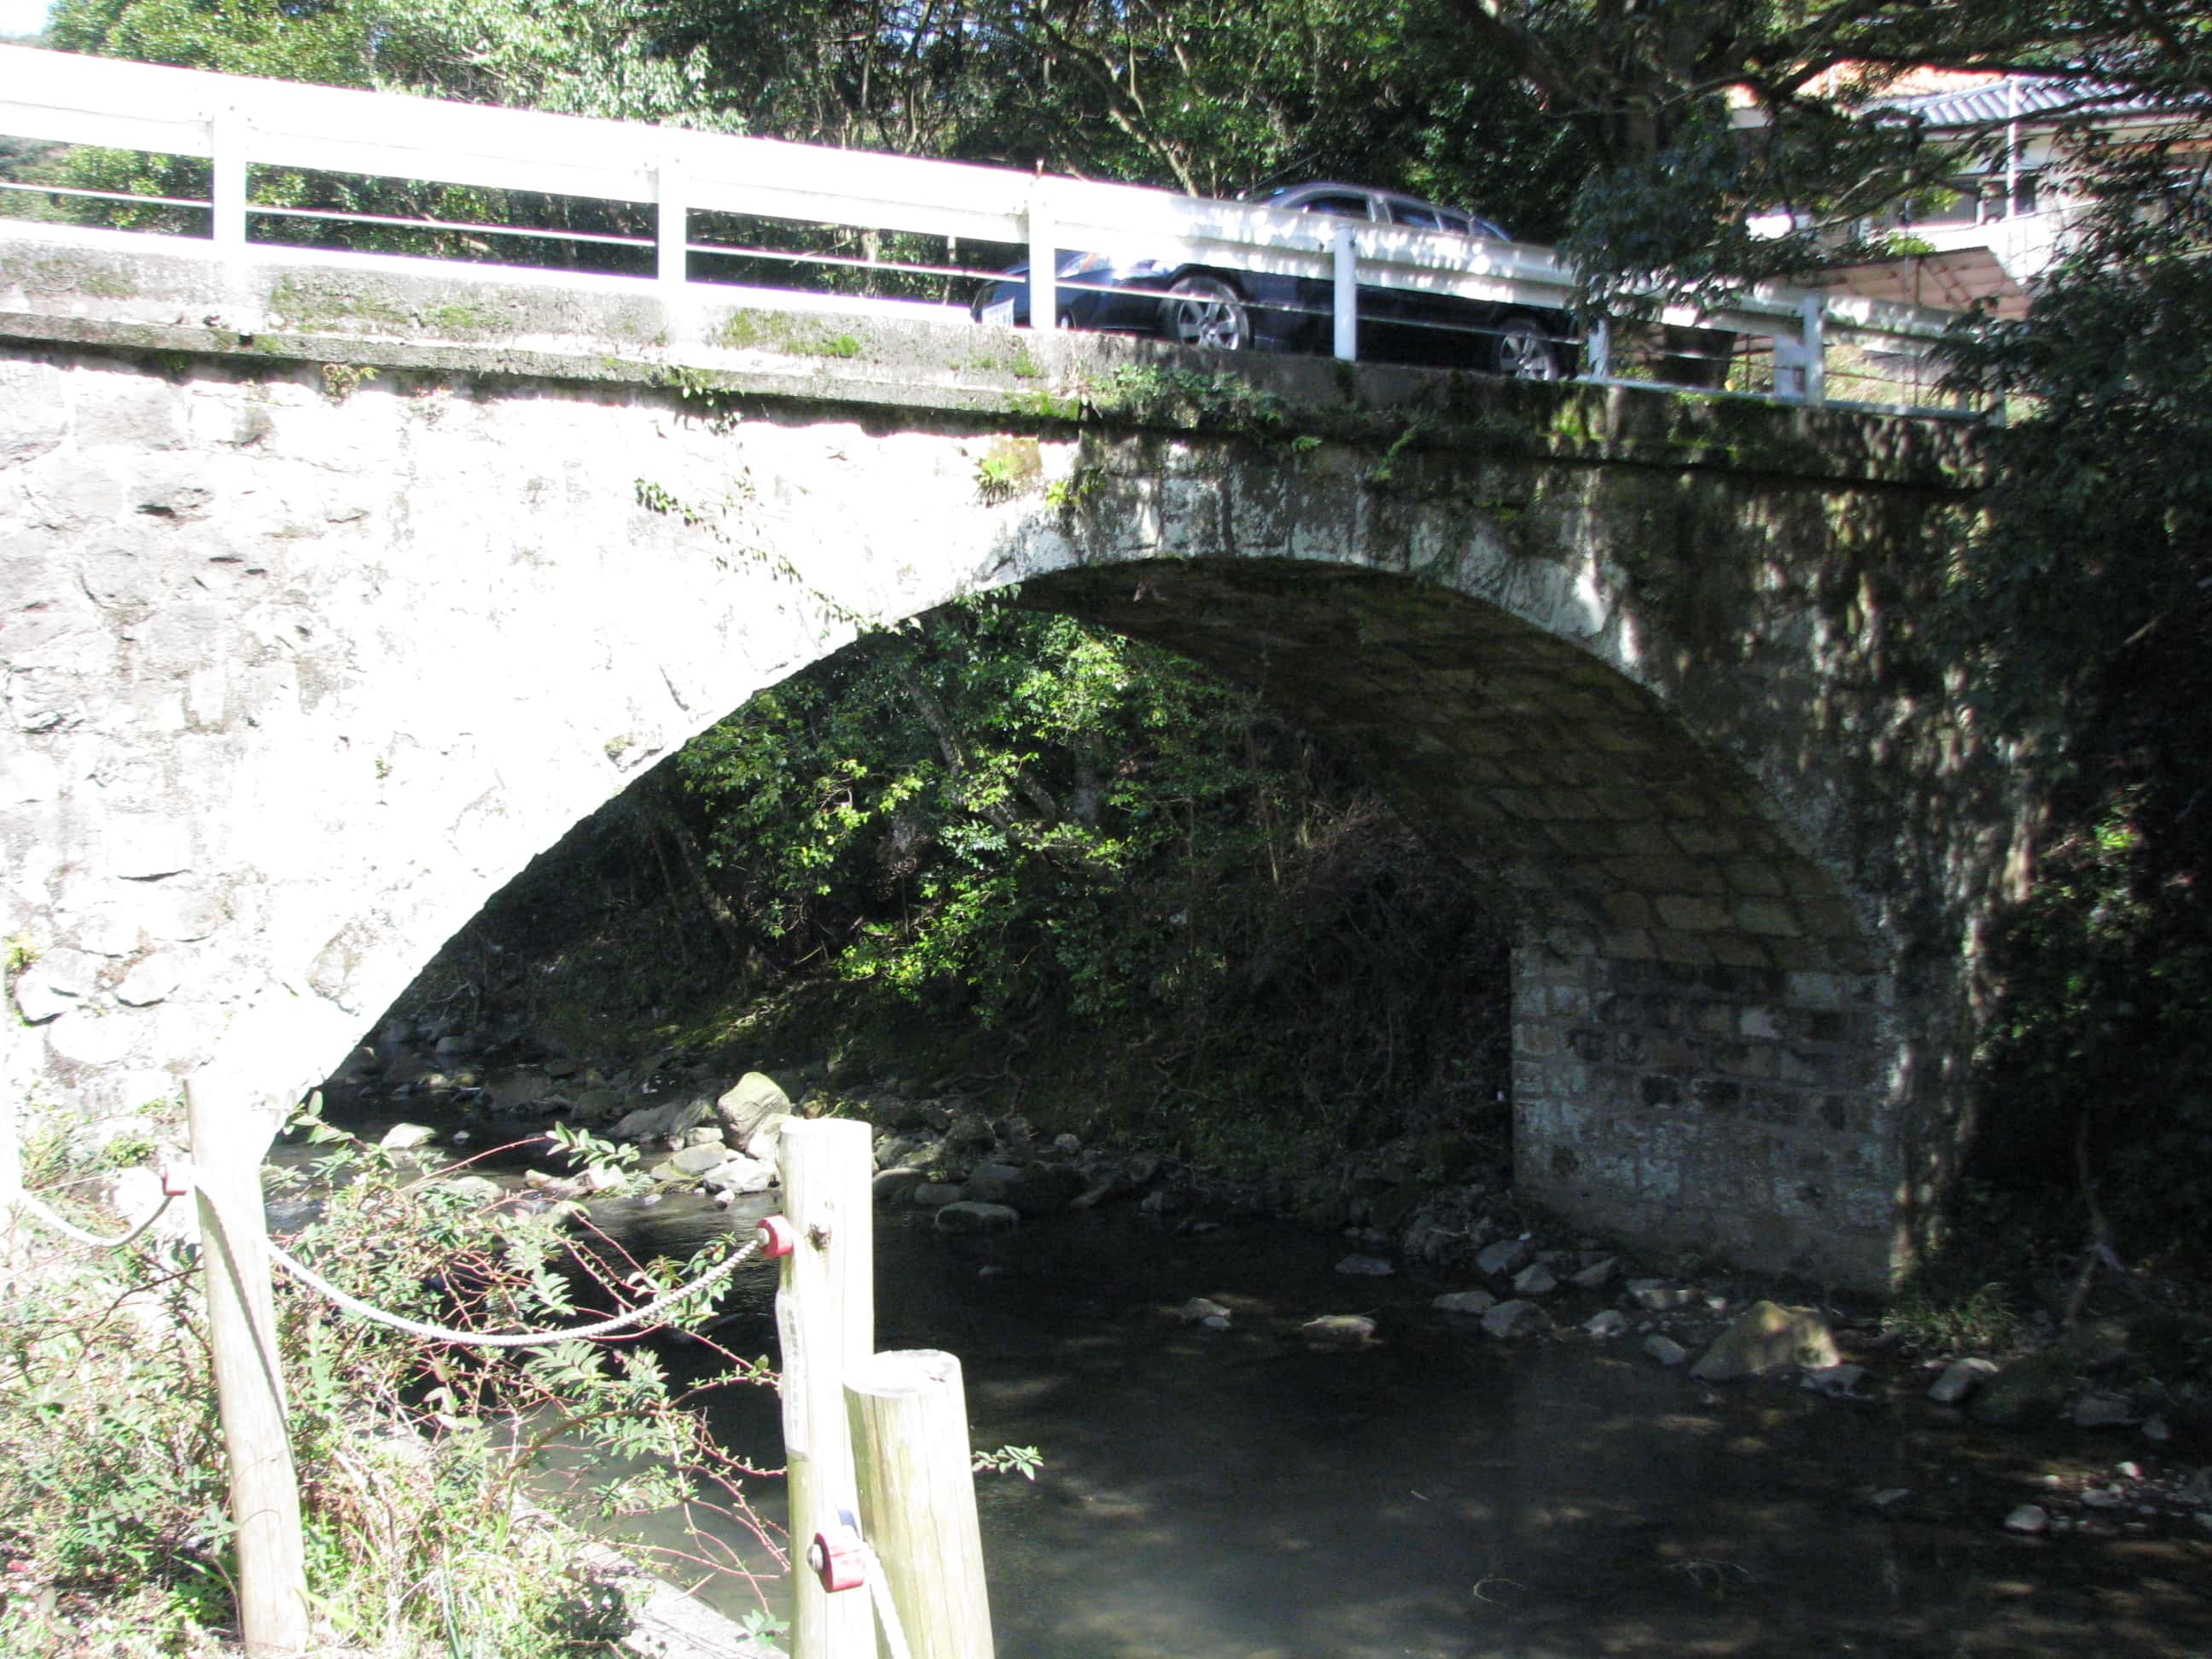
x=325, y=609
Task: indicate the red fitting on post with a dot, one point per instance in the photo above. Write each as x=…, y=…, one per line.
x=176, y=1178
x=777, y=1237
x=836, y=1560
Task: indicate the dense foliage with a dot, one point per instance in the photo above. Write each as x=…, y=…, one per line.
x=2084, y=607
x=1143, y=892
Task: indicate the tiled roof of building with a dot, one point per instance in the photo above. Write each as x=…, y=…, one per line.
x=2023, y=98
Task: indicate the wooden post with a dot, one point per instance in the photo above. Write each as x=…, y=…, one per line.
x=264, y=1491
x=825, y=1313
x=910, y=1417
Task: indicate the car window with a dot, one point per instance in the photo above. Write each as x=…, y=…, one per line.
x=1453, y=222
x=1340, y=207
x=1411, y=213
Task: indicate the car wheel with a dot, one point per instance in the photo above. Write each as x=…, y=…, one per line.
x=1204, y=311
x=1523, y=353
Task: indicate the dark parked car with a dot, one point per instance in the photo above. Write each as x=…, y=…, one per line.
x=1231, y=310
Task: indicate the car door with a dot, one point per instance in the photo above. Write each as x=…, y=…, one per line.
x=1440, y=328
x=1313, y=327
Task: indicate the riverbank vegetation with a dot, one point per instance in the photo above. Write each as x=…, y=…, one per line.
x=414, y=1459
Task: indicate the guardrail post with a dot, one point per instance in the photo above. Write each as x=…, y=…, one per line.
x=1815, y=310
x=910, y=1417
x=1044, y=263
x=227, y=191
x=1343, y=249
x=1597, y=352
x=825, y=1314
x=265, y=1488
x=672, y=230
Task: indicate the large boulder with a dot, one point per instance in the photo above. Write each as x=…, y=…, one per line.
x=1768, y=1337
x=755, y=1099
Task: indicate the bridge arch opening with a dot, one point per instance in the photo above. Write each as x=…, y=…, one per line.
x=1697, y=1032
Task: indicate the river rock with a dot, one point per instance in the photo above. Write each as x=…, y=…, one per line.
x=965, y=1217
x=766, y=1142
x=1838, y=1381
x=1960, y=1378
x=2029, y=1517
x=696, y=1160
x=407, y=1137
x=737, y=1175
x=1338, y=1331
x=596, y=1105
x=1516, y=1318
x=599, y=1178
x=2029, y=1390
x=2103, y=1411
x=1534, y=1280
x=749, y=1103
x=1164, y=1201
x=968, y=1129
x=1465, y=1302
x=475, y=1189
x=1507, y=1255
x=517, y=1089
x=935, y=1195
x=1766, y=1338
x=1109, y=1184
x=1202, y=1310
x=1657, y=1296
x=1610, y=1323
x=669, y=1119
x=1067, y=1146
x=1664, y=1349
x=1597, y=1275
x=989, y=1182
x=1038, y=1189
x=1366, y=1267
x=896, y=1184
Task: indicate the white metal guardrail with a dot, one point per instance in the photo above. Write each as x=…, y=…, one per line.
x=280, y=161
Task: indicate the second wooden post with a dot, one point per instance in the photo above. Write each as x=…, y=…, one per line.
x=825, y=1315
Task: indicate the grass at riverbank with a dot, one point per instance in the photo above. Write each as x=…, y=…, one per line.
x=114, y=1535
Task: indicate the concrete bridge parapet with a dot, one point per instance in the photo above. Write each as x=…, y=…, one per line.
x=313, y=638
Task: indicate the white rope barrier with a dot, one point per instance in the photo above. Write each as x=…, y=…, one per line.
x=41, y=1212
x=353, y=1305
x=880, y=1589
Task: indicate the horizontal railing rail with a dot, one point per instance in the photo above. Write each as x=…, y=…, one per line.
x=677, y=206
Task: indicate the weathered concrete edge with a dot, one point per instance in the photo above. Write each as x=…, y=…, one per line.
x=1037, y=382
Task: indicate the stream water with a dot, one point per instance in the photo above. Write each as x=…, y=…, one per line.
x=1237, y=1495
